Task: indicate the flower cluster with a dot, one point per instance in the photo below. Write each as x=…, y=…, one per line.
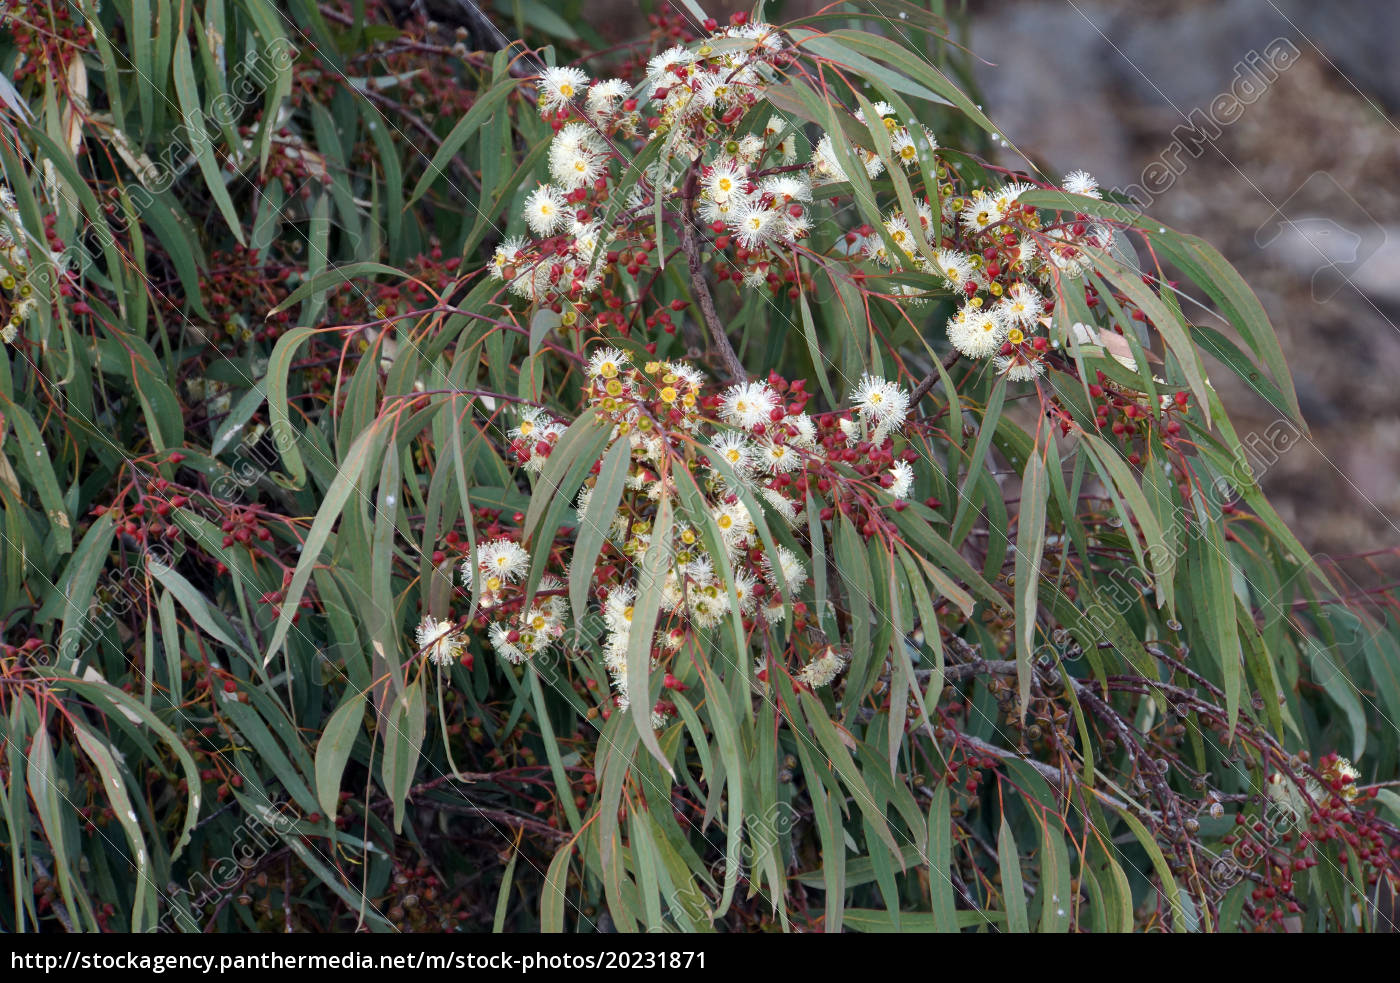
x=17, y=269
x=690, y=99
x=907, y=142
x=733, y=461
x=983, y=243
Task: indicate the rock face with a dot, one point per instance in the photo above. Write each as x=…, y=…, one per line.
x=1265, y=126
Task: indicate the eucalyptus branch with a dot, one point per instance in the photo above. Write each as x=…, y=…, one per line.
x=703, y=299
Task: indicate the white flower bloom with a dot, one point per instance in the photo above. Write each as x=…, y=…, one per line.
x=734, y=523
x=879, y=401
x=755, y=225
x=438, y=641
x=1068, y=258
x=1019, y=369
x=606, y=363
x=723, y=211
x=904, y=149
x=509, y=253
x=724, y=181
x=736, y=452
x=708, y=605
x=743, y=589
x=588, y=236
x=499, y=558
x=1025, y=251
x=794, y=571
x=781, y=504
x=825, y=166
x=575, y=137
x=545, y=210
x=980, y=212
x=617, y=609
x=748, y=404
x=806, y=435
x=1006, y=196
x=533, y=420
x=667, y=60
x=1021, y=306
x=779, y=458
x=874, y=249
x=786, y=188
x=558, y=86
x=954, y=267
x=689, y=375
x=499, y=635
x=903, y=479
x=823, y=669
x=575, y=170
x=604, y=96
x=976, y=332
x=750, y=147
x=717, y=90
x=898, y=228
x=1082, y=183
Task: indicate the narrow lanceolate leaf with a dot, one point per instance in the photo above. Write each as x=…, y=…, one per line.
x=1013, y=891
x=100, y=753
x=967, y=511
x=404, y=727
x=645, y=610
x=35, y=461
x=279, y=366
x=593, y=527
x=940, y=861
x=346, y=480
x=333, y=750
x=485, y=104
x=326, y=279
x=1215, y=607
x=553, y=900
x=1030, y=543
x=80, y=579
x=1055, y=884
x=187, y=91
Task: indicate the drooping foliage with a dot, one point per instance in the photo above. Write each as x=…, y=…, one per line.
x=682, y=484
